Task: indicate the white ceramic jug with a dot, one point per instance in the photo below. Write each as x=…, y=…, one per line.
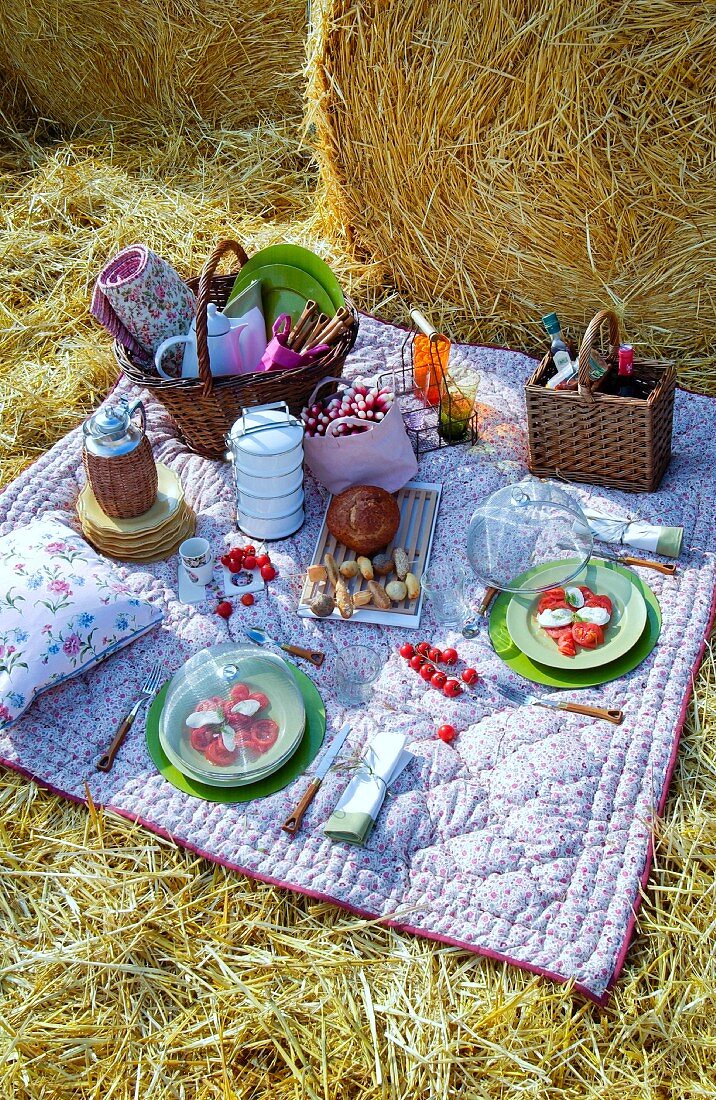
x=222, y=340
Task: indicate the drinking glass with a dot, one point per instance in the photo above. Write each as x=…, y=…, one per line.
x=457, y=404
x=444, y=588
x=357, y=669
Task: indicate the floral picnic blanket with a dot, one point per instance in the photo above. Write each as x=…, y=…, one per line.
x=527, y=838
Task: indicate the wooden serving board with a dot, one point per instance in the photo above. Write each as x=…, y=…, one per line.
x=418, y=503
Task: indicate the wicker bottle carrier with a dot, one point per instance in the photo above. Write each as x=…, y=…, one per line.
x=586, y=435
x=205, y=408
x=124, y=485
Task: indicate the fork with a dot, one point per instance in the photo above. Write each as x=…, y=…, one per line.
x=519, y=698
x=148, y=689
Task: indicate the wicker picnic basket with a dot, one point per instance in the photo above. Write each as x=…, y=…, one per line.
x=205, y=408
x=586, y=435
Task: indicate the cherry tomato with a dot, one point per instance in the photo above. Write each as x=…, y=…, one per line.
x=238, y=692
x=447, y=733
x=438, y=679
x=417, y=661
x=260, y=698
x=470, y=676
x=262, y=559
x=407, y=651
x=240, y=723
x=452, y=688
x=248, y=599
x=427, y=671
x=449, y=656
x=435, y=655
x=423, y=647
x=267, y=572
x=224, y=609
x=249, y=561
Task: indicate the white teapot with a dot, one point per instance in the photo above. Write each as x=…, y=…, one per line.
x=223, y=335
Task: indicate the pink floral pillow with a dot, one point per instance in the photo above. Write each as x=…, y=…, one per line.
x=62, y=609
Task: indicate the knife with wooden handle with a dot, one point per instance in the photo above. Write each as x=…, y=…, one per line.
x=292, y=823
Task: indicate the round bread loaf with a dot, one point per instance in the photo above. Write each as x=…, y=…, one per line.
x=364, y=518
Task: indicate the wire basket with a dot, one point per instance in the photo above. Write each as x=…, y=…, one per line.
x=434, y=412
x=205, y=408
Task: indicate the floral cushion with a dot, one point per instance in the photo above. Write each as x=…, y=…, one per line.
x=63, y=608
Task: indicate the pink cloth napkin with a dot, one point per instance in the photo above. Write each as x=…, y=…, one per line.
x=141, y=300
x=280, y=357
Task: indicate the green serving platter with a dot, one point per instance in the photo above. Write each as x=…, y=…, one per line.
x=304, y=755
x=293, y=255
x=519, y=662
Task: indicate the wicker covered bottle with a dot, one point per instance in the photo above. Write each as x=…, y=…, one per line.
x=118, y=460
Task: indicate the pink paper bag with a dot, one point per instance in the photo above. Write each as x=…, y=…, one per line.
x=380, y=455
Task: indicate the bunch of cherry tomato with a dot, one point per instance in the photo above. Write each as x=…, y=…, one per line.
x=424, y=658
x=245, y=557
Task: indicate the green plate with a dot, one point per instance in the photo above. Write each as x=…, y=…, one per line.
x=284, y=289
x=519, y=662
x=622, y=631
x=292, y=255
x=304, y=755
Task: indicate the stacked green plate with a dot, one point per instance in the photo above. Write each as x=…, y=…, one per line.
x=290, y=276
x=629, y=639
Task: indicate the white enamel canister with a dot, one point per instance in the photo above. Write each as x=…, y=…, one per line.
x=266, y=448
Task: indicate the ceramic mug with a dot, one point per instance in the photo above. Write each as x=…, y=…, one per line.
x=197, y=559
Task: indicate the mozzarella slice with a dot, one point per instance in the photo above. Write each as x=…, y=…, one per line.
x=574, y=597
x=561, y=616
x=598, y=615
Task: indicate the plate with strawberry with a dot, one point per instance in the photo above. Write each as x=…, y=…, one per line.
x=232, y=716
x=594, y=619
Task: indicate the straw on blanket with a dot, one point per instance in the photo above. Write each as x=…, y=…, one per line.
x=131, y=968
x=503, y=164
x=142, y=60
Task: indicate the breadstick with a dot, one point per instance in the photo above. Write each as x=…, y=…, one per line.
x=344, y=600
x=413, y=586
x=402, y=565
x=366, y=568
x=380, y=597
x=331, y=569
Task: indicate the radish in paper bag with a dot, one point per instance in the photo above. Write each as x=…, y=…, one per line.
x=343, y=450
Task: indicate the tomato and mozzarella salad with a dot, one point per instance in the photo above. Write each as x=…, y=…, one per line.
x=219, y=728
x=575, y=617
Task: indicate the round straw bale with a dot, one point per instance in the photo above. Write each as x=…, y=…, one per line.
x=509, y=160
x=139, y=60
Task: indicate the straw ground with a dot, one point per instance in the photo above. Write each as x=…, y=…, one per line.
x=529, y=158
x=131, y=969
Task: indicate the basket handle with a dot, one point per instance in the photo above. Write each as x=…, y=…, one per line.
x=319, y=386
x=207, y=274
x=585, y=348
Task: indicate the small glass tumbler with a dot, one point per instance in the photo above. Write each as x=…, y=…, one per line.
x=444, y=588
x=357, y=669
x=457, y=404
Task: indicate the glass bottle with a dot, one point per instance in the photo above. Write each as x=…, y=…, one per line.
x=561, y=358
x=625, y=382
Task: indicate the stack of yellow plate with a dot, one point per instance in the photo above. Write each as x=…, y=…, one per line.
x=153, y=536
